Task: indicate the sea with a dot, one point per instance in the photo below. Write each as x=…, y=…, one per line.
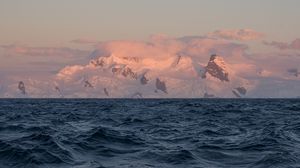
x=149, y=133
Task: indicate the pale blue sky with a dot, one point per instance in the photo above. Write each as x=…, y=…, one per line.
x=56, y=22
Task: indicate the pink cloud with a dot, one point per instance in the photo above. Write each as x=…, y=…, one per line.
x=42, y=51
x=276, y=63
x=294, y=45
x=203, y=46
x=161, y=47
x=240, y=35
x=156, y=47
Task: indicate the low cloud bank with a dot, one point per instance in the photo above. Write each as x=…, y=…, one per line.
x=294, y=45
x=16, y=50
x=239, y=35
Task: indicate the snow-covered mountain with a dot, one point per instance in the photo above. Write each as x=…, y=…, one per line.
x=167, y=69
x=180, y=76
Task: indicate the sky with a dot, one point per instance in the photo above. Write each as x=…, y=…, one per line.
x=56, y=22
x=64, y=27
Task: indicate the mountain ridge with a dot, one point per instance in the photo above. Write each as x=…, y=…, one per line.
x=113, y=76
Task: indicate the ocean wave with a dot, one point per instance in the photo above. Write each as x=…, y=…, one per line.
x=168, y=133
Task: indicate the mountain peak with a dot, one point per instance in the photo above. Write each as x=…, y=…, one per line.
x=216, y=67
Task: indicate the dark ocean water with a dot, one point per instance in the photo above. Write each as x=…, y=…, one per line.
x=94, y=133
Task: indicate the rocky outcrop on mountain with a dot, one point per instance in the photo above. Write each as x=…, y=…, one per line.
x=98, y=63
x=124, y=71
x=206, y=95
x=216, y=67
x=117, y=70
x=57, y=89
x=106, y=92
x=161, y=85
x=137, y=95
x=242, y=90
x=131, y=59
x=128, y=72
x=144, y=80
x=177, y=60
x=236, y=94
x=22, y=88
x=102, y=62
x=87, y=84
x=239, y=92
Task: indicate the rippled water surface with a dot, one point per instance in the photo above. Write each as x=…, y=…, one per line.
x=95, y=133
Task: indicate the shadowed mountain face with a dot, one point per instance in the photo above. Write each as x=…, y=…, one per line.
x=124, y=71
x=106, y=92
x=144, y=80
x=87, y=84
x=216, y=68
x=239, y=92
x=160, y=85
x=97, y=63
x=242, y=90
x=22, y=88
